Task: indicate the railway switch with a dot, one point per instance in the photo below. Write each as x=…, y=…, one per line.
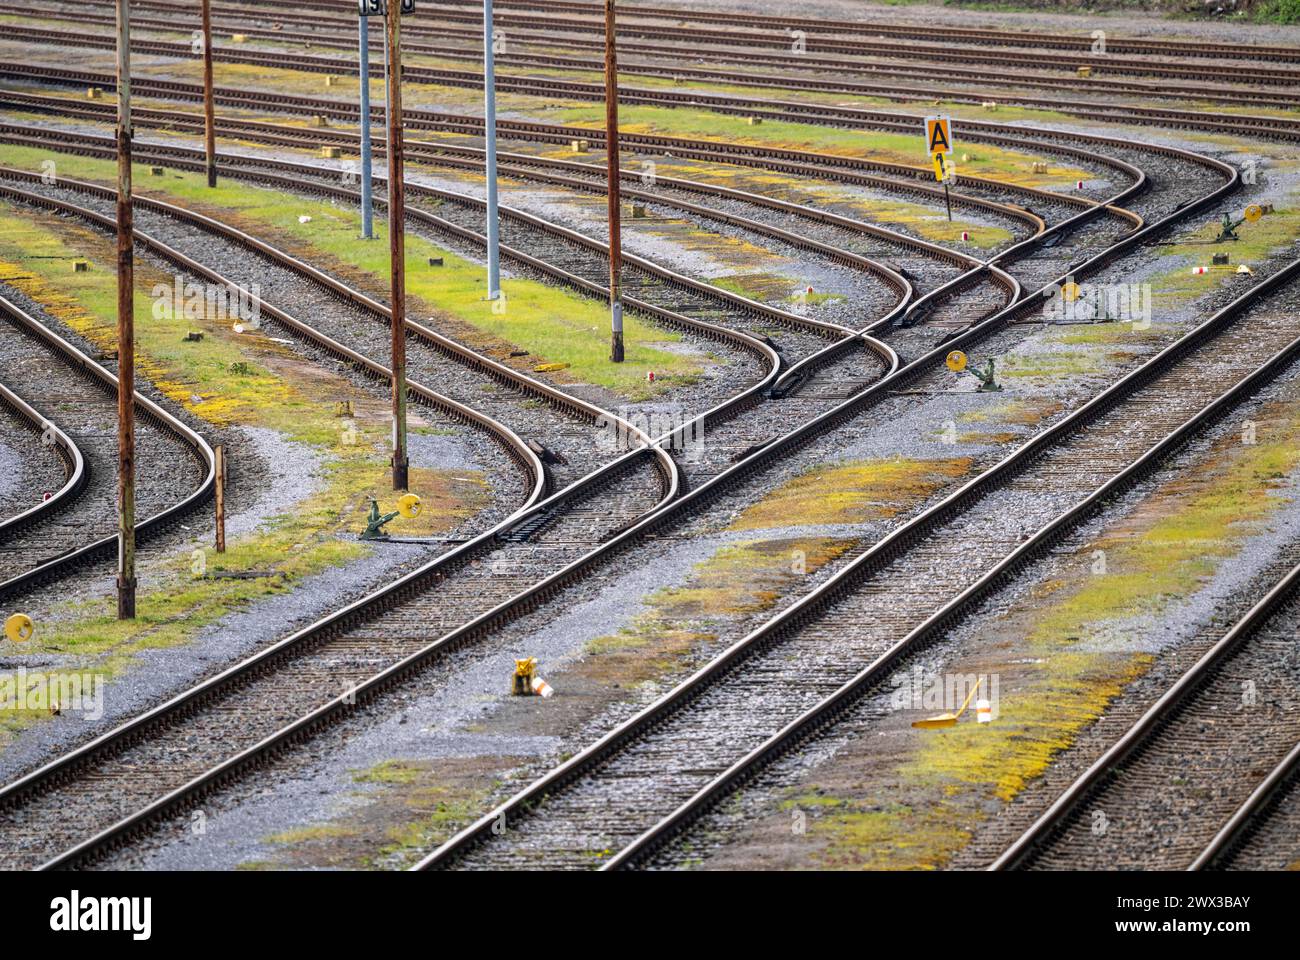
x=375, y=521
x=1228, y=229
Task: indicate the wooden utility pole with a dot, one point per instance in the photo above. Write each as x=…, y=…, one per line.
x=615, y=212
x=397, y=241
x=209, y=113
x=125, y=328
x=220, y=491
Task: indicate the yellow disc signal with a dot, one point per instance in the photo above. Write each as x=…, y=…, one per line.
x=1254, y=212
x=956, y=361
x=1070, y=291
x=409, y=506
x=19, y=628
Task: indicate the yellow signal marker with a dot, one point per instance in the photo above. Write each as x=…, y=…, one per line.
x=19, y=628
x=409, y=506
x=956, y=361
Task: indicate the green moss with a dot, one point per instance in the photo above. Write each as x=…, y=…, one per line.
x=852, y=492
x=554, y=324
x=183, y=592
x=1059, y=662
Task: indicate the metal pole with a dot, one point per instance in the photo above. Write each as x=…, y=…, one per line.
x=397, y=241
x=221, y=498
x=367, y=203
x=948, y=200
x=209, y=114
x=125, y=329
x=490, y=125
x=611, y=162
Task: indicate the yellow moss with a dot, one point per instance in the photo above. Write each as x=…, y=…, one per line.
x=1063, y=673
x=853, y=492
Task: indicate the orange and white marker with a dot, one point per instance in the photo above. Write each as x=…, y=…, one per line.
x=542, y=688
x=983, y=711
x=1200, y=270
x=650, y=376
x=965, y=236
x=1078, y=185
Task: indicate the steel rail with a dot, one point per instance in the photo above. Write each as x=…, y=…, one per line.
x=792, y=161
x=1234, y=834
x=76, y=474
x=65, y=766
x=873, y=559
x=802, y=62
x=915, y=51
x=824, y=713
x=448, y=154
x=875, y=27
x=146, y=530
x=302, y=729
x=528, y=600
x=1083, y=109
x=771, y=384
x=837, y=43
x=803, y=112
x=1148, y=727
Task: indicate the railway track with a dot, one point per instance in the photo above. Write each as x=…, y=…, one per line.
x=142, y=820
x=1261, y=833
x=696, y=40
x=22, y=420
x=207, y=778
x=794, y=111
x=620, y=800
x=930, y=31
x=840, y=86
x=78, y=526
x=848, y=169
x=1194, y=758
x=402, y=619
x=946, y=311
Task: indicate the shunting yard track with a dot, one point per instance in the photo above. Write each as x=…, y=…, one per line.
x=77, y=397
x=204, y=738
x=809, y=67
x=140, y=821
x=793, y=110
x=1206, y=756
x=624, y=797
x=698, y=40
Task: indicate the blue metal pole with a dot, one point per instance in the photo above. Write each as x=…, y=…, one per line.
x=490, y=126
x=367, y=206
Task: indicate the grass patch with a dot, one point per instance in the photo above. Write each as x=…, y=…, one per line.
x=272, y=389
x=854, y=492
x=1067, y=656
x=555, y=325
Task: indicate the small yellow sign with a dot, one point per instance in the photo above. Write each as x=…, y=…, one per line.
x=956, y=361
x=1253, y=213
x=943, y=169
x=409, y=506
x=938, y=135
x=1070, y=291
